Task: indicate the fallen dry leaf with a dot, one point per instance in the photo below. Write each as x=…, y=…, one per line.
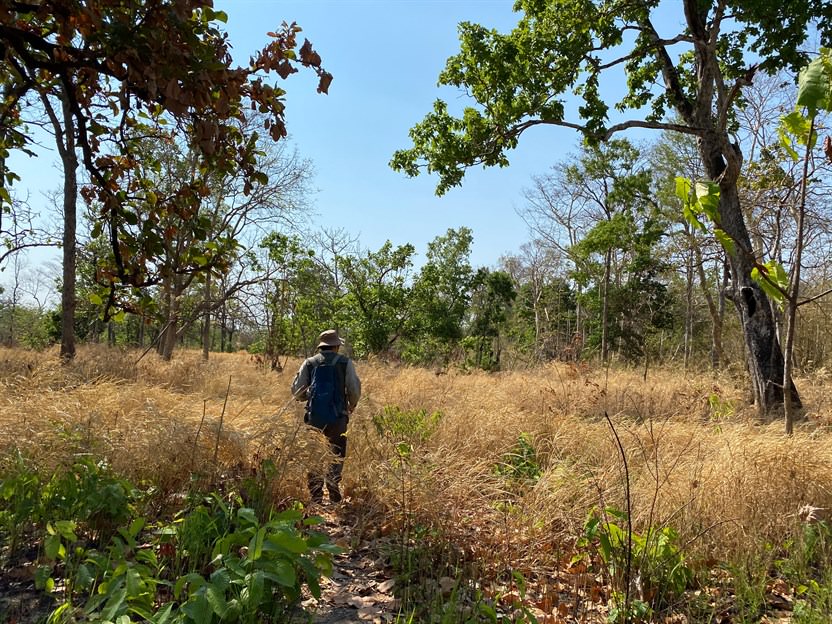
x=359, y=602
x=369, y=613
x=386, y=586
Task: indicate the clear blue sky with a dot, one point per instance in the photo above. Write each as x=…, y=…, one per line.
x=385, y=56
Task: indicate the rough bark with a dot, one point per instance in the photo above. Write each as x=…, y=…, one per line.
x=765, y=356
x=66, y=146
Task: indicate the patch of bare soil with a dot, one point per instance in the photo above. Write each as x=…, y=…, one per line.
x=20, y=602
x=360, y=589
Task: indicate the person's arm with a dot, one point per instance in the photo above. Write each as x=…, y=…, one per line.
x=300, y=386
x=353, y=386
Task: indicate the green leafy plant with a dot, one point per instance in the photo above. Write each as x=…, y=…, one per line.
x=657, y=565
x=20, y=504
x=90, y=494
x=411, y=427
x=521, y=465
x=258, y=569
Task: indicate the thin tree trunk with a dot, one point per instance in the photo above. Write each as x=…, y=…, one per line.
x=794, y=291
x=206, y=322
x=688, y=308
x=605, y=308
x=64, y=129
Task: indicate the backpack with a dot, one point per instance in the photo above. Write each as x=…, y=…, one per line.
x=327, y=401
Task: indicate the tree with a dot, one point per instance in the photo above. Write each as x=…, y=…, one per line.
x=544, y=322
x=814, y=96
x=377, y=304
x=672, y=155
x=519, y=81
x=202, y=241
x=491, y=300
x=441, y=294
x=600, y=201
x=116, y=64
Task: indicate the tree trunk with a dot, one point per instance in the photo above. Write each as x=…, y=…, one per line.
x=65, y=140
x=763, y=351
x=605, y=348
x=688, y=340
x=206, y=321
x=167, y=340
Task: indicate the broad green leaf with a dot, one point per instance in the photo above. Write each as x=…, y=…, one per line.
x=725, y=240
x=767, y=281
x=66, y=529
x=135, y=586
x=84, y=577
x=787, y=144
x=288, y=541
x=52, y=546
x=690, y=217
x=163, y=615
x=796, y=124
x=683, y=186
x=216, y=598
x=114, y=604
x=95, y=299
x=813, y=87
x=193, y=579
x=707, y=199
x=282, y=573
x=198, y=609
x=247, y=514
x=255, y=546
x=256, y=588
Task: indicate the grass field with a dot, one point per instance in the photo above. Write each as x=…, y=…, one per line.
x=487, y=479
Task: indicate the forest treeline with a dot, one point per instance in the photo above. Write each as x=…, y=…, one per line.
x=182, y=208
x=613, y=272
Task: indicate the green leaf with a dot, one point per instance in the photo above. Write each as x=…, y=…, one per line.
x=135, y=586
x=52, y=546
x=683, y=186
x=282, y=573
x=247, y=514
x=255, y=546
x=690, y=217
x=787, y=144
x=707, y=199
x=114, y=604
x=95, y=299
x=813, y=87
x=287, y=541
x=198, y=609
x=256, y=588
x=725, y=240
x=216, y=598
x=193, y=579
x=772, y=278
x=163, y=615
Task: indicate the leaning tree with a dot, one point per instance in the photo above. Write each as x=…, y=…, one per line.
x=521, y=79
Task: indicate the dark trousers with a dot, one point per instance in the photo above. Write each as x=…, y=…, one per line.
x=338, y=444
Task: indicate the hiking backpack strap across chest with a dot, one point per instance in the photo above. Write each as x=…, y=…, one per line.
x=327, y=391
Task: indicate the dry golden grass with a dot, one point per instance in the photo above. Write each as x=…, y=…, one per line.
x=725, y=483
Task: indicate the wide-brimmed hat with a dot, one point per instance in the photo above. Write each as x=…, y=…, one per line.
x=329, y=338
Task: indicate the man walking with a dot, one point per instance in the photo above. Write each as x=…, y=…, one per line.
x=328, y=383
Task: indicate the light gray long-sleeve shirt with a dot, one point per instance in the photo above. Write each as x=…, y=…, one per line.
x=300, y=386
